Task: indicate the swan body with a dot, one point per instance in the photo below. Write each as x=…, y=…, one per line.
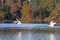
x=52, y=24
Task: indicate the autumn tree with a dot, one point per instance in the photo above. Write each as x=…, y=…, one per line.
x=26, y=17
x=55, y=14
x=48, y=4
x=45, y=7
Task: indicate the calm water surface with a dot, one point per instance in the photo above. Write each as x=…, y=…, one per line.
x=29, y=36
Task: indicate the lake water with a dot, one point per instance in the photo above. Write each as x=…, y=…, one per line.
x=29, y=35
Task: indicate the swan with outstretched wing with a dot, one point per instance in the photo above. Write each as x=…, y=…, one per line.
x=17, y=22
x=52, y=24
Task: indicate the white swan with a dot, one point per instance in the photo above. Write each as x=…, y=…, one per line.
x=17, y=22
x=52, y=24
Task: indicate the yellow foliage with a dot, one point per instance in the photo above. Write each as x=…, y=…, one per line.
x=1, y=15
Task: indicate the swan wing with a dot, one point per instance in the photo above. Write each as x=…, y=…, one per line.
x=51, y=22
x=15, y=21
x=54, y=23
x=19, y=22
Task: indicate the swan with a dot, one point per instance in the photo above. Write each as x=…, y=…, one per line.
x=17, y=22
x=52, y=24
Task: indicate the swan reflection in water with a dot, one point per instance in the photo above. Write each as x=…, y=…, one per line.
x=52, y=36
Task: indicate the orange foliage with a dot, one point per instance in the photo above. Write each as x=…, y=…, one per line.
x=26, y=16
x=54, y=14
x=2, y=15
